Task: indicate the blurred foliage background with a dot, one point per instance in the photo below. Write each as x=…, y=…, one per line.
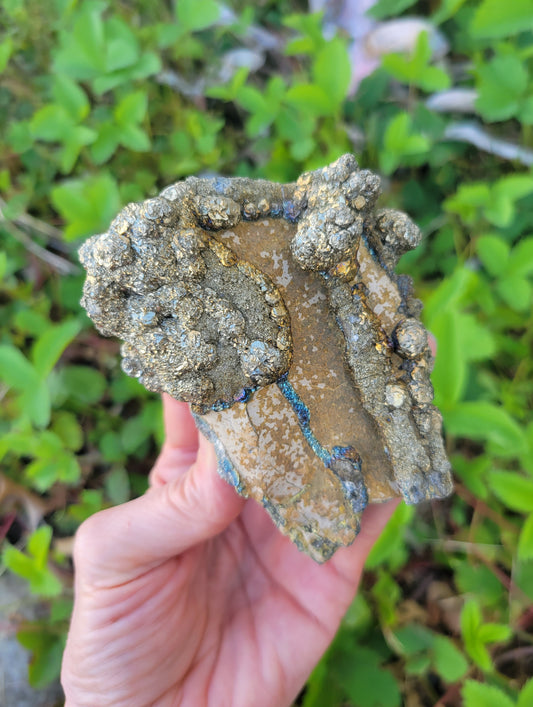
x=102, y=103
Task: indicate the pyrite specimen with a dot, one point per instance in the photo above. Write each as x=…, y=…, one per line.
x=275, y=311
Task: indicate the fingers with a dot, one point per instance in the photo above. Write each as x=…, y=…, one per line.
x=118, y=544
x=181, y=442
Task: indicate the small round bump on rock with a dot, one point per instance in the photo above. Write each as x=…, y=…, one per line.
x=284, y=340
x=175, y=192
x=131, y=367
x=158, y=210
x=112, y=252
x=192, y=240
x=343, y=216
x=216, y=212
x=422, y=392
x=263, y=207
x=394, y=395
x=249, y=210
x=278, y=312
x=272, y=297
x=410, y=338
x=261, y=363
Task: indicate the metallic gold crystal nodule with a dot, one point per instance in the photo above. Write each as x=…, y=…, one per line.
x=275, y=311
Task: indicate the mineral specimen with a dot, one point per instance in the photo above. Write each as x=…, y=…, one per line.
x=275, y=311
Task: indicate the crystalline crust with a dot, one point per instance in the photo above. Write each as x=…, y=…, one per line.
x=275, y=311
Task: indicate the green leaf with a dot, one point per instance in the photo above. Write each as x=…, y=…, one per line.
x=500, y=209
x=88, y=205
x=401, y=141
x=478, y=581
x=413, y=638
x=475, y=339
x=117, y=486
x=70, y=97
x=525, y=541
x=449, y=373
x=477, y=694
x=494, y=633
x=470, y=624
x=494, y=18
x=84, y=384
x=43, y=473
x=447, y=9
x=3, y=265
x=309, y=97
x=91, y=502
x=448, y=660
x=321, y=690
x=367, y=684
x=106, y=143
x=468, y=201
x=39, y=544
x=134, y=138
x=521, y=258
x=515, y=292
x=515, y=490
x=415, y=69
x=122, y=46
x=16, y=371
x=332, y=70
x=82, y=49
x=50, y=345
x=74, y=141
x=390, y=546
x=32, y=567
x=131, y=109
x=501, y=85
x=386, y=8
x=525, y=698
x=68, y=429
x=35, y=402
x=51, y=123
x=494, y=253
x=485, y=421
x=6, y=49
x=251, y=99
x=195, y=15
x=47, y=652
x=28, y=321
x=19, y=563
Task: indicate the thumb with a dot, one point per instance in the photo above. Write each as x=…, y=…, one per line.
x=118, y=544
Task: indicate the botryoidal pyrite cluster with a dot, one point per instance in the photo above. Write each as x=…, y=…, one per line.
x=275, y=311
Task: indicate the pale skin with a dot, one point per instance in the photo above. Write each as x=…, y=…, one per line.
x=190, y=596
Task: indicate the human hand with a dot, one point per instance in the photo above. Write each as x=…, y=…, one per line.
x=190, y=595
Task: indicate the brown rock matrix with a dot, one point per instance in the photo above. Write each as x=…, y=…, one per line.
x=275, y=311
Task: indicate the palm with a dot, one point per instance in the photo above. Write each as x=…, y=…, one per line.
x=238, y=619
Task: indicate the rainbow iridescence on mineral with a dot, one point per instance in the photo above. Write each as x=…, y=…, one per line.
x=275, y=311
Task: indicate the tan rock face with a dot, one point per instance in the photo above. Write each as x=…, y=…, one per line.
x=275, y=311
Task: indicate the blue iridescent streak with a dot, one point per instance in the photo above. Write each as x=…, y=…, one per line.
x=349, y=475
x=304, y=419
x=242, y=397
x=302, y=413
